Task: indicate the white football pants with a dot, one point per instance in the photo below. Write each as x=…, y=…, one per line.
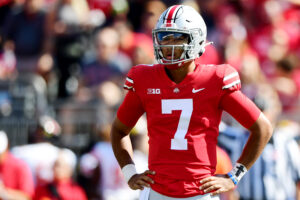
x=149, y=194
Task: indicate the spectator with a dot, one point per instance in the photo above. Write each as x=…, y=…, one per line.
x=275, y=174
x=284, y=84
x=16, y=181
x=7, y=62
x=281, y=180
x=62, y=186
x=109, y=8
x=7, y=74
x=45, y=68
x=142, y=53
x=65, y=28
x=130, y=41
x=152, y=10
x=111, y=183
x=25, y=32
x=110, y=63
x=40, y=144
x=5, y=10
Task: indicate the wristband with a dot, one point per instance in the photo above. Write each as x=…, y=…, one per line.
x=237, y=172
x=232, y=178
x=128, y=171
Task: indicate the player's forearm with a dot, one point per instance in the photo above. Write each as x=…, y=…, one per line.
x=121, y=145
x=260, y=134
x=123, y=150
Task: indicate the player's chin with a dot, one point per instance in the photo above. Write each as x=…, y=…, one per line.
x=170, y=57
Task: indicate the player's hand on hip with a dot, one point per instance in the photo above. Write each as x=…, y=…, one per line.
x=139, y=181
x=216, y=184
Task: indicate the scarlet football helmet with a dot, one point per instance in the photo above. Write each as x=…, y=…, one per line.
x=184, y=23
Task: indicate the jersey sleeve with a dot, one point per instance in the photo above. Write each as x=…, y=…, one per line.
x=131, y=109
x=241, y=108
x=129, y=81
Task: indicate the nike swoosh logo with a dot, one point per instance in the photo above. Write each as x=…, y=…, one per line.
x=195, y=91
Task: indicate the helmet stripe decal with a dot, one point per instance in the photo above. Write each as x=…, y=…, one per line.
x=166, y=17
x=170, y=14
x=176, y=13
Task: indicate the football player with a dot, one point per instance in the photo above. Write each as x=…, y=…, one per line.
x=183, y=102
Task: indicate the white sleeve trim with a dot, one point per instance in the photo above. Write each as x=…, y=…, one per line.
x=231, y=84
x=127, y=87
x=129, y=80
x=230, y=76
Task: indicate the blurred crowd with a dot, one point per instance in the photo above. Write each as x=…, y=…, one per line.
x=62, y=67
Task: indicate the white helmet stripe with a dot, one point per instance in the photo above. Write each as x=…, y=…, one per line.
x=167, y=14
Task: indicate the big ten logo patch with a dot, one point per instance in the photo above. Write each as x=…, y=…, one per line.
x=153, y=91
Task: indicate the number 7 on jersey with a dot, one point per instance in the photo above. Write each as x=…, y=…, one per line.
x=186, y=106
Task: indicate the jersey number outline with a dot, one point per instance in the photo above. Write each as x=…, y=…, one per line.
x=186, y=106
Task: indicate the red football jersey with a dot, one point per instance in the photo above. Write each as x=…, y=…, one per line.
x=183, y=121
